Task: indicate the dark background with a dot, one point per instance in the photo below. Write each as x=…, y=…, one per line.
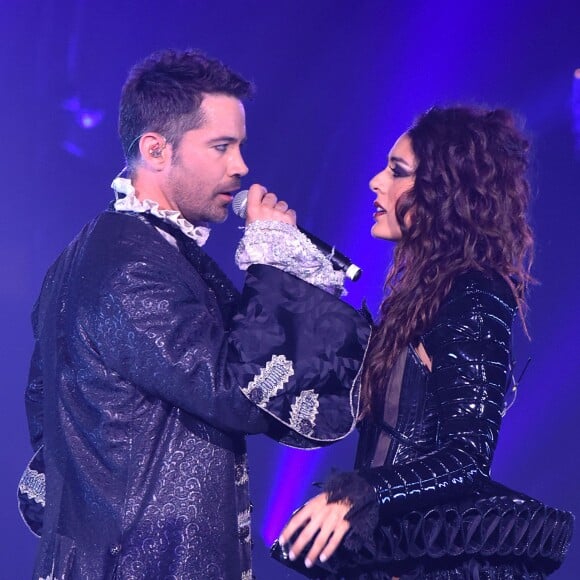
x=337, y=82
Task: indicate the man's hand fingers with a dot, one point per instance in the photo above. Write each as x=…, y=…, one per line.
x=255, y=195
x=269, y=200
x=265, y=205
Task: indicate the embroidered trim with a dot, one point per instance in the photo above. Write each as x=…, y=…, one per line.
x=303, y=412
x=241, y=470
x=245, y=526
x=244, y=518
x=33, y=485
x=270, y=381
x=126, y=200
x=51, y=575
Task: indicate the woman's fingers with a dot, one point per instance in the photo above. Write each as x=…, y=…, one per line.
x=334, y=541
x=300, y=519
x=296, y=522
x=332, y=528
x=321, y=523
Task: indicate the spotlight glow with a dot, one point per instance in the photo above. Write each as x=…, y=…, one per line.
x=294, y=478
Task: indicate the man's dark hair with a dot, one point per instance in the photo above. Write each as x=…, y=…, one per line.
x=163, y=93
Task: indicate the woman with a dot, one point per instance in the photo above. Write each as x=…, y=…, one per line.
x=421, y=503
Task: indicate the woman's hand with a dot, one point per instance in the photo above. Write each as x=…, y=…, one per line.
x=264, y=205
x=317, y=517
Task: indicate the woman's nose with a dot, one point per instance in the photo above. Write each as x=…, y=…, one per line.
x=374, y=184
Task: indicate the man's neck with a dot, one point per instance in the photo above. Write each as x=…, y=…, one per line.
x=148, y=186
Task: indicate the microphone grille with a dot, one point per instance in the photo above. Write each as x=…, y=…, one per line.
x=240, y=202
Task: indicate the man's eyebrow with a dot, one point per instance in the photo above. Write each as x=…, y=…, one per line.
x=226, y=139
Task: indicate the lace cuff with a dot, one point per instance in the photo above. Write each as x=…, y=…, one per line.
x=285, y=247
x=363, y=516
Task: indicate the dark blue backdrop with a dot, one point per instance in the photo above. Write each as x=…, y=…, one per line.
x=337, y=82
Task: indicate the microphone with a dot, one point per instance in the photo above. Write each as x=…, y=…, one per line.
x=338, y=260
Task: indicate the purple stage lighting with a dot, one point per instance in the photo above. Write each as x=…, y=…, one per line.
x=84, y=117
x=89, y=119
x=294, y=478
x=576, y=107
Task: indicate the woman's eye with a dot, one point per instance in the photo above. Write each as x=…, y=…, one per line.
x=399, y=171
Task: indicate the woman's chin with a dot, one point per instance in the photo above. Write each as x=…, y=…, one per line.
x=382, y=234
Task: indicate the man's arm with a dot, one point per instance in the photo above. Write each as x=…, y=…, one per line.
x=288, y=343
x=33, y=396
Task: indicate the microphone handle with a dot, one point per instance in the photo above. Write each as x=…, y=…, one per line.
x=338, y=259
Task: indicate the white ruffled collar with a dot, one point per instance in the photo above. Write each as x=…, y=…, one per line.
x=126, y=200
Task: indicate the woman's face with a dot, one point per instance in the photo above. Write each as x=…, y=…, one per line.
x=389, y=185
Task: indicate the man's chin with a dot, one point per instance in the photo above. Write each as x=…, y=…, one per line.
x=221, y=216
x=218, y=217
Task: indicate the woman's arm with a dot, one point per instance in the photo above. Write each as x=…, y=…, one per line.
x=469, y=345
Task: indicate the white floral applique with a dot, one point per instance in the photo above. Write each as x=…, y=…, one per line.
x=303, y=412
x=33, y=485
x=244, y=519
x=270, y=381
x=241, y=470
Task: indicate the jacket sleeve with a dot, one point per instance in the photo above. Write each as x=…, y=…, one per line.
x=31, y=487
x=469, y=345
x=33, y=395
x=275, y=364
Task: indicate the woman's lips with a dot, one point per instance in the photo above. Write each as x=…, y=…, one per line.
x=379, y=210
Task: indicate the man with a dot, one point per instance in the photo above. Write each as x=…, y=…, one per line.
x=149, y=368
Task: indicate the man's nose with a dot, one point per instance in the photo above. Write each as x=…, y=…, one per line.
x=238, y=165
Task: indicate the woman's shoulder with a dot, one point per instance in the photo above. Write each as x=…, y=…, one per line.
x=477, y=296
x=481, y=288
x=478, y=304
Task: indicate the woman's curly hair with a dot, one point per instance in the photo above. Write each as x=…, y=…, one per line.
x=467, y=210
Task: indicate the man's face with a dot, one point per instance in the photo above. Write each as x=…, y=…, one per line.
x=207, y=165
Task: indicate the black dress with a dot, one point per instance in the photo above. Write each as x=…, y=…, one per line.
x=424, y=505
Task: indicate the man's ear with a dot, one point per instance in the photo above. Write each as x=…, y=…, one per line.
x=153, y=149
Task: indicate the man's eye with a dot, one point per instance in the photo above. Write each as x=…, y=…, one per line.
x=222, y=148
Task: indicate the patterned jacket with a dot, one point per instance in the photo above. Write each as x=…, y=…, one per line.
x=149, y=369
